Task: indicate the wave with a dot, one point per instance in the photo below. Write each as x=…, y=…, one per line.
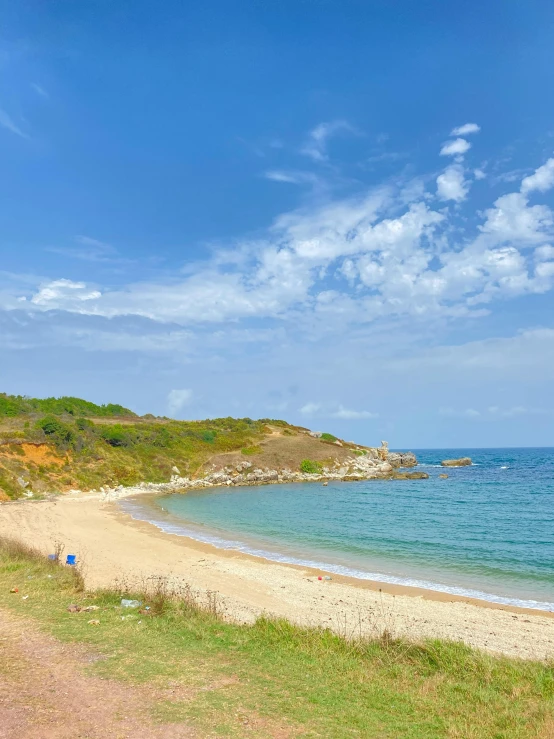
x=168, y=527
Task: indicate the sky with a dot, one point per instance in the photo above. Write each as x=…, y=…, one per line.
x=339, y=213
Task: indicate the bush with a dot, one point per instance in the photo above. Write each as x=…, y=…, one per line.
x=311, y=467
x=208, y=436
x=116, y=436
x=60, y=433
x=328, y=437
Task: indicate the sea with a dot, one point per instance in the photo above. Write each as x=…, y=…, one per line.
x=486, y=532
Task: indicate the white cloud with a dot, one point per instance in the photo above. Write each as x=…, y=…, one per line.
x=176, y=399
x=316, y=146
x=458, y=147
x=542, y=179
x=351, y=415
x=544, y=252
x=338, y=263
x=64, y=294
x=451, y=184
x=465, y=130
x=7, y=123
x=291, y=177
x=479, y=174
x=331, y=410
x=310, y=409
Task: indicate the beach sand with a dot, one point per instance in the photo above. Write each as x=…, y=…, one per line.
x=112, y=546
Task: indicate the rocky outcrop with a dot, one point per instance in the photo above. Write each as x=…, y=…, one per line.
x=365, y=464
x=462, y=462
x=402, y=459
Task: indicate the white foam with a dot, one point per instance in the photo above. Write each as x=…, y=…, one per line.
x=169, y=527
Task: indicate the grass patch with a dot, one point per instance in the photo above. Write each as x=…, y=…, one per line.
x=310, y=467
x=249, y=451
x=281, y=679
x=328, y=437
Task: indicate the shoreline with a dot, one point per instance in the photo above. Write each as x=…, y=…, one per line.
x=376, y=586
x=377, y=581
x=111, y=547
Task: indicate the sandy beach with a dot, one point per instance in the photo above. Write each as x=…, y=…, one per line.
x=112, y=546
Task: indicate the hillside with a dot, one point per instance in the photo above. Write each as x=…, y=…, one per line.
x=56, y=444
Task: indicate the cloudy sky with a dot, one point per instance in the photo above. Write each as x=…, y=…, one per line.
x=337, y=213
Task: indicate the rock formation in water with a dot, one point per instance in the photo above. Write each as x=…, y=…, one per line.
x=462, y=462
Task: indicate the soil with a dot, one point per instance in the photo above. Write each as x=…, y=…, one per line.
x=282, y=451
x=45, y=693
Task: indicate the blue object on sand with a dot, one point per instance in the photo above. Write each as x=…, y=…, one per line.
x=53, y=557
x=71, y=559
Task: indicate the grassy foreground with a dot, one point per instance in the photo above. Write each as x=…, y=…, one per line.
x=301, y=682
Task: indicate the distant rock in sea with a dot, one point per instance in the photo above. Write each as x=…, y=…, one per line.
x=462, y=462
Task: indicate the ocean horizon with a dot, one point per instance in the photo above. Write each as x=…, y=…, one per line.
x=485, y=532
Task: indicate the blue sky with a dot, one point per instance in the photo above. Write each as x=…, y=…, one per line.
x=337, y=213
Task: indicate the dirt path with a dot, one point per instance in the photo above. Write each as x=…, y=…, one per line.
x=45, y=693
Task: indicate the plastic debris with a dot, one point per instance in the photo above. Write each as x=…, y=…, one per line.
x=94, y=622
x=327, y=577
x=53, y=557
x=14, y=590
x=126, y=603
x=88, y=609
x=24, y=597
x=319, y=577
x=71, y=559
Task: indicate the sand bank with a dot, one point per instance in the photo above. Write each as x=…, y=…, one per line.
x=113, y=546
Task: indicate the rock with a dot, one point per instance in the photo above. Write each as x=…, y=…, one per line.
x=408, y=459
x=462, y=462
x=410, y=476
x=316, y=434
x=394, y=459
x=443, y=476
x=386, y=468
x=383, y=452
x=337, y=442
x=176, y=470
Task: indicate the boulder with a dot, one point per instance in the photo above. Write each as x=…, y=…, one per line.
x=443, y=476
x=462, y=462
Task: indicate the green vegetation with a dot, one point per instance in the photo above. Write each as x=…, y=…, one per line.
x=293, y=681
x=95, y=445
x=328, y=437
x=311, y=467
x=18, y=405
x=250, y=450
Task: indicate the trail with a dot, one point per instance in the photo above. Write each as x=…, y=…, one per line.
x=46, y=694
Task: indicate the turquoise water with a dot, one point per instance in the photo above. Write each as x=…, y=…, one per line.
x=487, y=531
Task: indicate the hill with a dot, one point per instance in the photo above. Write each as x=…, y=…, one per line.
x=56, y=444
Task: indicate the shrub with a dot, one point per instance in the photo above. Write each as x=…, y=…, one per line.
x=311, y=467
x=60, y=433
x=116, y=436
x=328, y=437
x=249, y=450
x=208, y=436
